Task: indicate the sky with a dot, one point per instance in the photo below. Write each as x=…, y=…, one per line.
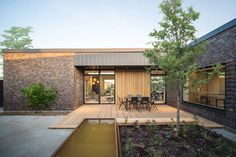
x=102, y=23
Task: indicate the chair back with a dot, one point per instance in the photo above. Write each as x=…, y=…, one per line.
x=120, y=100
x=145, y=99
x=138, y=95
x=134, y=99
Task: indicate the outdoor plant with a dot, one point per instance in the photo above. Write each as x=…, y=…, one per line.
x=38, y=97
x=151, y=125
x=126, y=120
x=172, y=51
x=128, y=145
x=158, y=140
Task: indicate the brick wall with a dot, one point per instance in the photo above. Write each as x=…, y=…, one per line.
x=52, y=69
x=1, y=93
x=230, y=95
x=221, y=48
x=78, y=87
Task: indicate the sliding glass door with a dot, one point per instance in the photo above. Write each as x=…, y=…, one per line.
x=158, y=88
x=99, y=86
x=107, y=87
x=91, y=89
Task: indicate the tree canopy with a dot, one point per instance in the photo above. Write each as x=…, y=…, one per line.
x=17, y=38
x=172, y=51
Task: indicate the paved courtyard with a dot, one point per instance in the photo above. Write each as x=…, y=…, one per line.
x=23, y=136
x=29, y=136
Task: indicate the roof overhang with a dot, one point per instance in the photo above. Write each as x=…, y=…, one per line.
x=111, y=59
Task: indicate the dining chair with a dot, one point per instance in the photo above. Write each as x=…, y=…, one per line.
x=144, y=102
x=121, y=102
x=152, y=104
x=134, y=101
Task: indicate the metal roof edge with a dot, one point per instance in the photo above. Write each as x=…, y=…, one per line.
x=76, y=50
x=216, y=31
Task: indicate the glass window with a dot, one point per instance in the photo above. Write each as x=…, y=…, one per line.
x=91, y=89
x=158, y=88
x=99, y=87
x=107, y=87
x=158, y=72
x=91, y=72
x=212, y=93
x=107, y=72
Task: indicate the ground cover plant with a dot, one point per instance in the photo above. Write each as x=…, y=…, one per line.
x=191, y=140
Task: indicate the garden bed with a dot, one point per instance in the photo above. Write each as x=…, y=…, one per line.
x=153, y=140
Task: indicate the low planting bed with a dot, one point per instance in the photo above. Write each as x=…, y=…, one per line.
x=192, y=140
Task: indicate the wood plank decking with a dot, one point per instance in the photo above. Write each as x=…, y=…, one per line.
x=162, y=114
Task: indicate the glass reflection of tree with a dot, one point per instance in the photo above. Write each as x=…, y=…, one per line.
x=158, y=88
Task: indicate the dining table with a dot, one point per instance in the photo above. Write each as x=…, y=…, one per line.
x=128, y=100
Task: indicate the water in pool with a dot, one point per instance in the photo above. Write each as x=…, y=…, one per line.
x=93, y=138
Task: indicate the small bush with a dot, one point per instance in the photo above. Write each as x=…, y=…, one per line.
x=38, y=97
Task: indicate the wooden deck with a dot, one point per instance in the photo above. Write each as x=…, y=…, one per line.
x=161, y=114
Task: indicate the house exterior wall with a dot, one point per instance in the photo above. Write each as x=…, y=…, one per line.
x=54, y=70
x=132, y=81
x=221, y=48
x=78, y=88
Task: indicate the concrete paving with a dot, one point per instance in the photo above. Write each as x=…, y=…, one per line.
x=227, y=134
x=23, y=136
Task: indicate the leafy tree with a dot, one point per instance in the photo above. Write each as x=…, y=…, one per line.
x=38, y=97
x=172, y=51
x=17, y=38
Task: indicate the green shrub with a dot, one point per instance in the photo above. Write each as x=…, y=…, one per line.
x=38, y=97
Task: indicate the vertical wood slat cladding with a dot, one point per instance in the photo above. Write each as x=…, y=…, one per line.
x=133, y=82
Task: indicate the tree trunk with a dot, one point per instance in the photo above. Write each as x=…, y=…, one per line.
x=178, y=112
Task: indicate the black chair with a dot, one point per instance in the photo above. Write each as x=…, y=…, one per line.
x=144, y=102
x=134, y=101
x=139, y=97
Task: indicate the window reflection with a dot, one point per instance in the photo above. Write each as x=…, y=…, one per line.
x=212, y=93
x=158, y=89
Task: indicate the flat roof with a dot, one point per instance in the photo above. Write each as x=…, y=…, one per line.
x=78, y=50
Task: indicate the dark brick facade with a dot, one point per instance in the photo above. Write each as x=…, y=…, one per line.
x=52, y=69
x=78, y=87
x=221, y=48
x=1, y=93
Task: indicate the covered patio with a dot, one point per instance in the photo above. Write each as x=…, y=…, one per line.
x=162, y=115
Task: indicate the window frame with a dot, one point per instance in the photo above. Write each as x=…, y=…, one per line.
x=206, y=105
